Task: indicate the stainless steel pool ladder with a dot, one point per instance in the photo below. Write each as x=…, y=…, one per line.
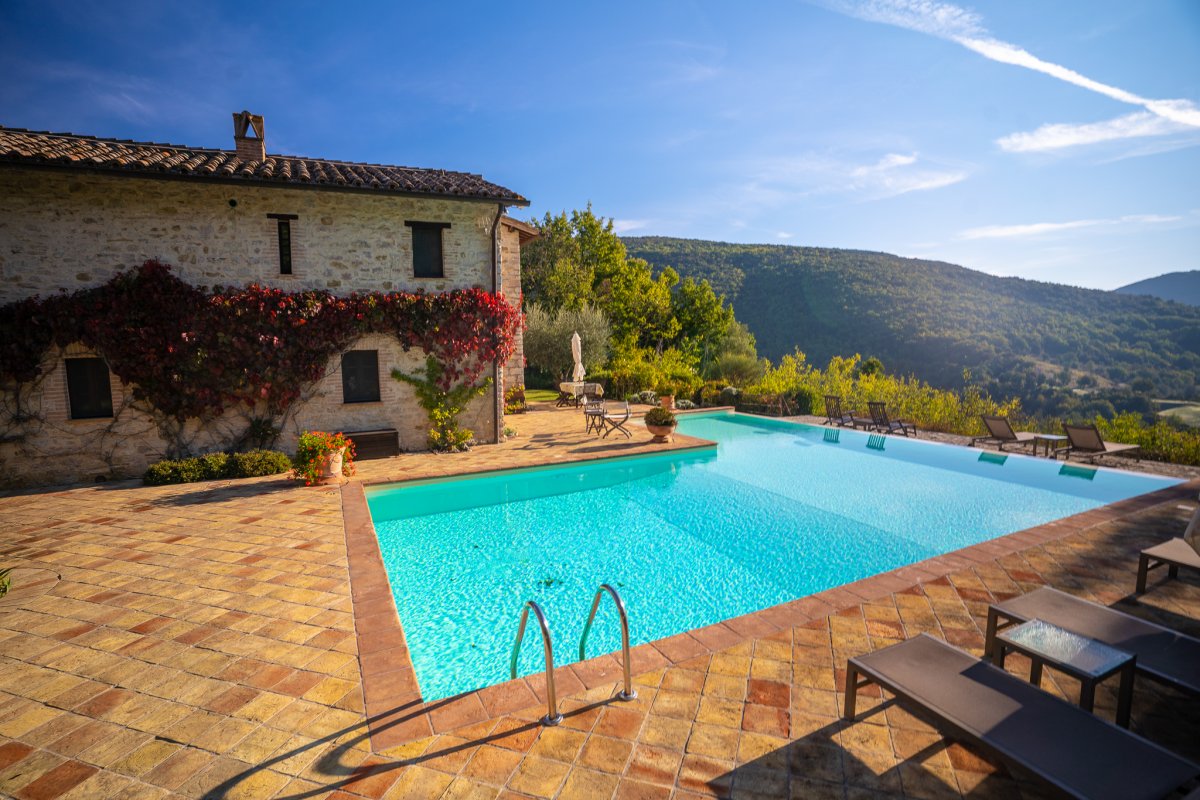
x=552, y=716
x=629, y=692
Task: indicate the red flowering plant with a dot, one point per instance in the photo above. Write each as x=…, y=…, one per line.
x=314, y=450
x=193, y=353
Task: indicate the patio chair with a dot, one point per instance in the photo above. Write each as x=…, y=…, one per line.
x=566, y=395
x=1001, y=433
x=1071, y=749
x=1084, y=442
x=1173, y=554
x=616, y=422
x=834, y=414
x=1163, y=655
x=593, y=415
x=885, y=424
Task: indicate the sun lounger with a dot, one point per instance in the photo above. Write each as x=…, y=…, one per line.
x=1162, y=654
x=1173, y=554
x=1001, y=433
x=882, y=422
x=834, y=415
x=1085, y=443
x=1069, y=748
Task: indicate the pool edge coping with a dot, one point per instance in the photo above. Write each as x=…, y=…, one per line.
x=397, y=715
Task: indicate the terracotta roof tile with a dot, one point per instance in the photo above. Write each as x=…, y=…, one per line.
x=40, y=148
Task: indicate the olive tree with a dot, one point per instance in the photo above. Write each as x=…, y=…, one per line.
x=548, y=339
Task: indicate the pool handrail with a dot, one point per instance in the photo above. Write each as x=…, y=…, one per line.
x=552, y=716
x=629, y=693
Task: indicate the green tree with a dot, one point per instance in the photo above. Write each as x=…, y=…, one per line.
x=548, y=339
x=704, y=320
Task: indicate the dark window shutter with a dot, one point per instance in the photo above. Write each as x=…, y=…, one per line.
x=360, y=376
x=89, y=388
x=427, y=248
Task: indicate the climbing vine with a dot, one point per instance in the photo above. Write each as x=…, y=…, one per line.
x=443, y=405
x=192, y=353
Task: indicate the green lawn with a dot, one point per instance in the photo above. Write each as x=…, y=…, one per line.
x=540, y=395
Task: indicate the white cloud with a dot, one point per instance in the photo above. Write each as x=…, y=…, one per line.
x=1059, y=136
x=1043, y=228
x=947, y=21
x=784, y=235
x=626, y=225
x=778, y=180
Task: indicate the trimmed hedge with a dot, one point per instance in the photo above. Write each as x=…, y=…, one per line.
x=215, y=466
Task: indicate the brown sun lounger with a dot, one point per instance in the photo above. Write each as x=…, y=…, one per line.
x=1069, y=748
x=1162, y=654
x=834, y=414
x=1173, y=554
x=1085, y=443
x=885, y=424
x=1001, y=433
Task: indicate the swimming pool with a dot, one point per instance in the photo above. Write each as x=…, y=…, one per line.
x=776, y=511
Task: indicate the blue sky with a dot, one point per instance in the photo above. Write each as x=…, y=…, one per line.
x=1057, y=141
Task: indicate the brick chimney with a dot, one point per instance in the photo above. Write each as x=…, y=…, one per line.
x=249, y=147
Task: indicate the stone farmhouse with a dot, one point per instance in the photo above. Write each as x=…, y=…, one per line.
x=75, y=210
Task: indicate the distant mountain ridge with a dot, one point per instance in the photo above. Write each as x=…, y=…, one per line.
x=935, y=319
x=1182, y=287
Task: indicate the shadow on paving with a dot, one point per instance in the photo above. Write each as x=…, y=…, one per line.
x=346, y=777
x=818, y=765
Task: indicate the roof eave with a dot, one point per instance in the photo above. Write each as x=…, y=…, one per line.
x=510, y=200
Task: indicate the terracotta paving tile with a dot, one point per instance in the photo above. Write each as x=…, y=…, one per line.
x=57, y=781
x=745, y=708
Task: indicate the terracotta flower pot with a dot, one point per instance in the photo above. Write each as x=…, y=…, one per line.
x=332, y=470
x=662, y=433
x=667, y=401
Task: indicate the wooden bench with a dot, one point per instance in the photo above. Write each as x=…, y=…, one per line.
x=382, y=443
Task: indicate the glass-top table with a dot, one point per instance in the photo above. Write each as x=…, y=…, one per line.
x=1082, y=658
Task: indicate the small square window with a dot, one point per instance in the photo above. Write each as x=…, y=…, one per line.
x=360, y=376
x=427, y=248
x=89, y=389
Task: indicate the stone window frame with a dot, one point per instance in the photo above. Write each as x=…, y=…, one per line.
x=428, y=227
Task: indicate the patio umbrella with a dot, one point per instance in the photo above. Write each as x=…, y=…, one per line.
x=577, y=354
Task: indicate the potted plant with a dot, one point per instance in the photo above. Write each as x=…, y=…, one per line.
x=666, y=397
x=660, y=422
x=323, y=457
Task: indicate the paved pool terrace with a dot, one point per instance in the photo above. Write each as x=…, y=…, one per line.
x=233, y=639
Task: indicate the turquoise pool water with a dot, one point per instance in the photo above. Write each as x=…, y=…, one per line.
x=776, y=511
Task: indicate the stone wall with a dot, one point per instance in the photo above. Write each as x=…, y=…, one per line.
x=513, y=371
x=72, y=230
x=66, y=230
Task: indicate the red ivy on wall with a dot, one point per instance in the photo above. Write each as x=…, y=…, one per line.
x=193, y=353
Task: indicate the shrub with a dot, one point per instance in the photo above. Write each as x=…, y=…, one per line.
x=659, y=416
x=216, y=466
x=257, y=463
x=188, y=470
x=684, y=405
x=1160, y=441
x=313, y=451
x=650, y=397
x=514, y=400
x=5, y=580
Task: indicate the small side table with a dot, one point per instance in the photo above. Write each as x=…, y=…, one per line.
x=1053, y=442
x=1082, y=658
